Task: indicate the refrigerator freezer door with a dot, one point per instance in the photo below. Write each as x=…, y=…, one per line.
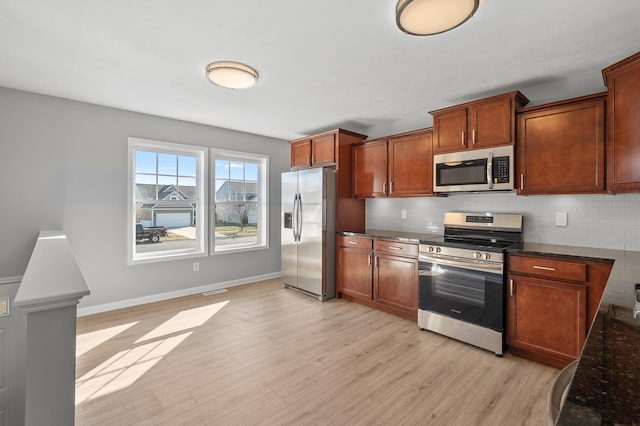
x=310, y=255
x=289, y=246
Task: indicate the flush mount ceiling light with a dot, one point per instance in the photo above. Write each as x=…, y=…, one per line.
x=429, y=17
x=232, y=75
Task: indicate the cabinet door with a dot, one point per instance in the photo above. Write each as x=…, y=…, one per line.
x=354, y=273
x=411, y=165
x=561, y=148
x=370, y=170
x=323, y=150
x=450, y=131
x=547, y=318
x=301, y=154
x=491, y=124
x=396, y=282
x=623, y=123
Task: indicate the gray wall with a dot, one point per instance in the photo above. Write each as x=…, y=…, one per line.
x=63, y=165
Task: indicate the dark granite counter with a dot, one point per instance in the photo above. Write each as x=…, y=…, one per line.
x=606, y=384
x=413, y=237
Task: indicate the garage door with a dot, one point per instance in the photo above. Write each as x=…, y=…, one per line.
x=173, y=220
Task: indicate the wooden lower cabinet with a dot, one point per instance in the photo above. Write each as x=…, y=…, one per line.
x=547, y=318
x=354, y=272
x=551, y=303
x=367, y=273
x=395, y=282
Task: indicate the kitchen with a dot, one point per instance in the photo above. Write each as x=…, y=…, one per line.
x=73, y=154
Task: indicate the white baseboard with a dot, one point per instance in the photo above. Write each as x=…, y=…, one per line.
x=96, y=309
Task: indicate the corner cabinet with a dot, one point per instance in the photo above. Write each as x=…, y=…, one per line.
x=551, y=303
x=396, y=166
x=623, y=124
x=333, y=149
x=561, y=147
x=483, y=123
x=379, y=273
x=321, y=150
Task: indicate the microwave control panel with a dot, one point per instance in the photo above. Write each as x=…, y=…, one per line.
x=501, y=169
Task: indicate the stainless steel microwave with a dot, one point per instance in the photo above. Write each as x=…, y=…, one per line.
x=489, y=169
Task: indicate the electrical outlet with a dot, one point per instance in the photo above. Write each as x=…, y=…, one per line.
x=561, y=218
x=403, y=213
x=196, y=266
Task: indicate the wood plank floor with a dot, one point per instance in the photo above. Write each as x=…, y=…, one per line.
x=263, y=354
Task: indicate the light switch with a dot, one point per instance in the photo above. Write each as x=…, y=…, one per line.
x=403, y=213
x=561, y=218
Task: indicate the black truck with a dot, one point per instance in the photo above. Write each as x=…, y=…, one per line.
x=152, y=233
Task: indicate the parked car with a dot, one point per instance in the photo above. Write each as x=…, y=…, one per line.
x=151, y=233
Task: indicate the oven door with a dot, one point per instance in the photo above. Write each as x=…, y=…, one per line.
x=467, y=290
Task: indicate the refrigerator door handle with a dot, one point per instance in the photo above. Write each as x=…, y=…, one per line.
x=294, y=228
x=299, y=218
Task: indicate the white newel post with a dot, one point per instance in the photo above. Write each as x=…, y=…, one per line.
x=49, y=293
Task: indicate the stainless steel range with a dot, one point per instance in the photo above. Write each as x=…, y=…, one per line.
x=461, y=277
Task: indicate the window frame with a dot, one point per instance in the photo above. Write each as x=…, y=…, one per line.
x=263, y=205
x=202, y=205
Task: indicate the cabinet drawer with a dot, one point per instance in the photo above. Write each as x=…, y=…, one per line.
x=397, y=248
x=363, y=243
x=549, y=268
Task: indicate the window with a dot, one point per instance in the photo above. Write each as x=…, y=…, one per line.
x=167, y=201
x=240, y=201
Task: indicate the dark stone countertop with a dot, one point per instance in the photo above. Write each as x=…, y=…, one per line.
x=411, y=237
x=606, y=384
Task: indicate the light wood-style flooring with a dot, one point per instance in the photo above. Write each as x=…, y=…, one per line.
x=263, y=354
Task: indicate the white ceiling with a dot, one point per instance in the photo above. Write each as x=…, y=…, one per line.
x=322, y=64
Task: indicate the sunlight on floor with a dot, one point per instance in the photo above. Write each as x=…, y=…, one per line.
x=126, y=367
x=184, y=320
x=87, y=341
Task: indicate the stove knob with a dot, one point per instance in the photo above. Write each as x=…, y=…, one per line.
x=430, y=249
x=487, y=256
x=477, y=255
x=438, y=249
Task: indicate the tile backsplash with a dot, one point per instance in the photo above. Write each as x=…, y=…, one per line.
x=602, y=221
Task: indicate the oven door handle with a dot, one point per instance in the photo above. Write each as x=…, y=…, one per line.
x=494, y=268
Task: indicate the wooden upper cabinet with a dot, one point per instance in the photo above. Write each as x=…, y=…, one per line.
x=321, y=150
x=300, y=154
x=561, y=147
x=411, y=164
x=623, y=124
x=397, y=166
x=370, y=169
x=483, y=123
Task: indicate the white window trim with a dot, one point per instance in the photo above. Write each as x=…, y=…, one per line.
x=264, y=201
x=202, y=167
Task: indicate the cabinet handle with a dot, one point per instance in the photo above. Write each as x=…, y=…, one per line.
x=313, y=158
x=462, y=140
x=511, y=288
x=521, y=180
x=384, y=188
x=369, y=260
x=354, y=242
x=544, y=268
x=395, y=248
x=474, y=136
x=390, y=187
x=309, y=160
x=377, y=262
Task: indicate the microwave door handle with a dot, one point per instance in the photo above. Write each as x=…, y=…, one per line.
x=490, y=170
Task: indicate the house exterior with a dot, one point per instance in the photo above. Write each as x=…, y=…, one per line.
x=172, y=206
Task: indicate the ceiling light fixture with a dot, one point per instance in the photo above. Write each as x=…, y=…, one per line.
x=429, y=17
x=232, y=75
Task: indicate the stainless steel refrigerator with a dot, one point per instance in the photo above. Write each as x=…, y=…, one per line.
x=307, y=219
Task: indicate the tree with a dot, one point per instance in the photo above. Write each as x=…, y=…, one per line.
x=241, y=212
